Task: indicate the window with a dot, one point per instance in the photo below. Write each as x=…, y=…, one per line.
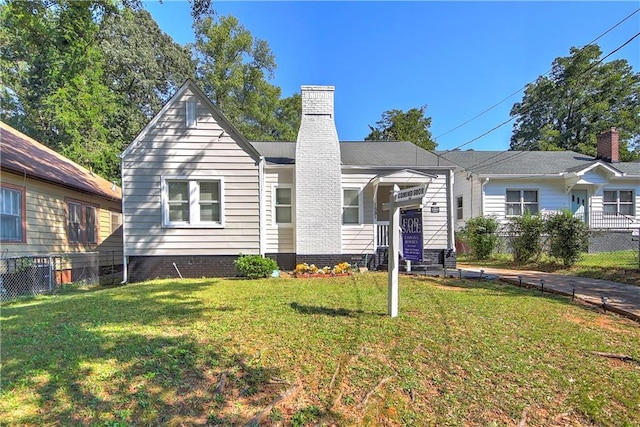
x=12, y=214
x=459, y=205
x=351, y=206
x=618, y=201
x=283, y=205
x=521, y=201
x=82, y=223
x=190, y=202
x=116, y=221
x=192, y=114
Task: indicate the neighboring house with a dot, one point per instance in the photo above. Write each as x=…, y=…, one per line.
x=602, y=191
x=197, y=194
x=49, y=205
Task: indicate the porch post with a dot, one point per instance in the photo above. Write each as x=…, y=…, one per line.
x=394, y=243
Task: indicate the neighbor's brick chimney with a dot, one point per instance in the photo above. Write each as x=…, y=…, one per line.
x=609, y=146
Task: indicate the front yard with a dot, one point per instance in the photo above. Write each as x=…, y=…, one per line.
x=315, y=351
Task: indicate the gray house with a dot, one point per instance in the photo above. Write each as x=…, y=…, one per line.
x=602, y=191
x=196, y=193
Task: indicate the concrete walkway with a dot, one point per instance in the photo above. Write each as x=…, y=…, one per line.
x=618, y=297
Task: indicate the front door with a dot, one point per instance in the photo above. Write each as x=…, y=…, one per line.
x=579, y=205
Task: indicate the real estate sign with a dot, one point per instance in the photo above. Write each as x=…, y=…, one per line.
x=411, y=224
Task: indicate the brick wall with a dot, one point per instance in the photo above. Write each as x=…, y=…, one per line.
x=318, y=175
x=151, y=267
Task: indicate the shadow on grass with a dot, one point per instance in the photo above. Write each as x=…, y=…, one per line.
x=326, y=311
x=81, y=364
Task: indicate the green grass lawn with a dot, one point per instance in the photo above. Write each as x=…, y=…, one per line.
x=315, y=352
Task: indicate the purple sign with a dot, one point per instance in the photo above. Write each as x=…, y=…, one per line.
x=411, y=224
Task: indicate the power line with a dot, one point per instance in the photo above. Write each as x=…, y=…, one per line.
x=525, y=86
x=580, y=74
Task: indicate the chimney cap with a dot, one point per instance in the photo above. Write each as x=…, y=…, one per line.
x=317, y=87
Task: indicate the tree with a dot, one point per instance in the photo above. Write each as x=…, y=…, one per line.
x=397, y=125
x=143, y=68
x=53, y=78
x=233, y=68
x=581, y=98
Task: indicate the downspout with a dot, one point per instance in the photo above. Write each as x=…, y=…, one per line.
x=125, y=271
x=482, y=184
x=450, y=220
x=262, y=208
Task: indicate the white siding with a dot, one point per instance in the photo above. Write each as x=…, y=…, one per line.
x=358, y=239
x=280, y=238
x=551, y=195
x=435, y=224
x=169, y=148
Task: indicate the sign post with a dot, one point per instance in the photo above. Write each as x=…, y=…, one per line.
x=410, y=197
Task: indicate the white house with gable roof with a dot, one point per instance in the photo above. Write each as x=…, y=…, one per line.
x=197, y=193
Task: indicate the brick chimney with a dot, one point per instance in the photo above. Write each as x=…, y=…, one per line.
x=318, y=176
x=609, y=146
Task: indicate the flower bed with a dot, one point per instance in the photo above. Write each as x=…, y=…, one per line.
x=311, y=270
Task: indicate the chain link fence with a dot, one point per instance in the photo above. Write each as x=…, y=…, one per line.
x=37, y=274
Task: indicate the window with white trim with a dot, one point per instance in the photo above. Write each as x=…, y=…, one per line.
x=351, y=206
x=12, y=214
x=192, y=114
x=82, y=223
x=618, y=201
x=459, y=206
x=521, y=201
x=282, y=205
x=116, y=221
x=192, y=202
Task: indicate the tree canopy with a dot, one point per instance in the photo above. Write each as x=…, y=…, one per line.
x=398, y=125
x=580, y=98
x=84, y=77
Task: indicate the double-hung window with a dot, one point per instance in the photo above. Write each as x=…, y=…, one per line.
x=82, y=223
x=351, y=202
x=192, y=202
x=12, y=214
x=521, y=201
x=283, y=205
x=459, y=206
x=618, y=201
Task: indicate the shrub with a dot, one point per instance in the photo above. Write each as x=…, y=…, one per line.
x=255, y=266
x=525, y=233
x=481, y=235
x=568, y=237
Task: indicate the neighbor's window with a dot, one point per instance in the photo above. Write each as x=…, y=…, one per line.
x=521, y=201
x=116, y=221
x=283, y=205
x=192, y=202
x=192, y=114
x=618, y=201
x=351, y=206
x=82, y=223
x=459, y=205
x=12, y=214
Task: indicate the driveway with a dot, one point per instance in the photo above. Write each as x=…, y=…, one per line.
x=617, y=297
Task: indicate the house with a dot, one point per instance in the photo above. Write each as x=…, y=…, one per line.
x=51, y=206
x=197, y=193
x=602, y=191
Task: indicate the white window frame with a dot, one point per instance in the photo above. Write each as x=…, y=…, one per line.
x=617, y=203
x=274, y=190
x=459, y=208
x=118, y=221
x=20, y=216
x=194, y=202
x=523, y=204
x=191, y=110
x=360, y=205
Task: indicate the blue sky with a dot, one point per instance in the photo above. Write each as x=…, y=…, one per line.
x=458, y=58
